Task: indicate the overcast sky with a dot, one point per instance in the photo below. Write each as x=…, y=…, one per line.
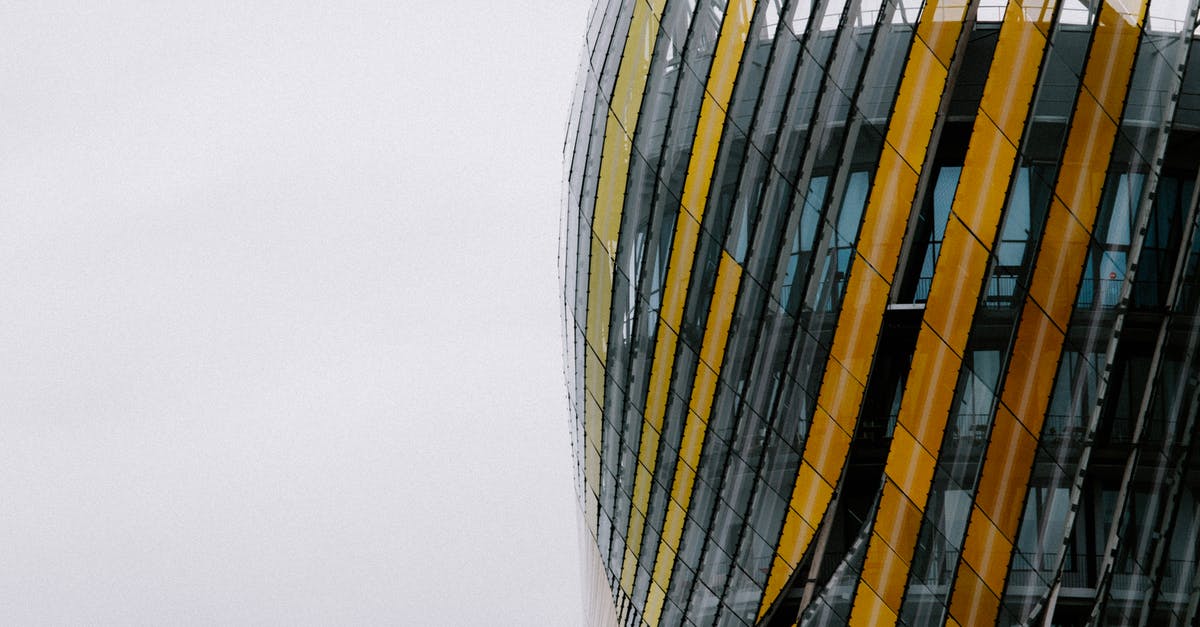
x=279, y=313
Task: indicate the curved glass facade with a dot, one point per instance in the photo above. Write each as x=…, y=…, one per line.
x=886, y=312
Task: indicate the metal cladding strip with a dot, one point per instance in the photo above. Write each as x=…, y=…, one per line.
x=623, y=111
x=712, y=354
x=878, y=248
x=958, y=279
x=987, y=551
x=730, y=44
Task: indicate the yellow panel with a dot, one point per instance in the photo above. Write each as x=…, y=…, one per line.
x=661, y=562
x=1061, y=258
x=1031, y=370
x=929, y=391
x=827, y=457
x=679, y=272
x=643, y=482
x=797, y=534
x=1080, y=180
x=656, y=397
x=973, y=603
x=712, y=350
x=920, y=99
x=940, y=33
x=953, y=297
x=654, y=605
x=893, y=541
x=591, y=460
x=866, y=292
x=954, y=294
x=1009, y=458
x=887, y=210
x=986, y=551
x=727, y=59
x=643, y=477
x=614, y=172
x=799, y=531
x=622, y=118
x=983, y=185
x=1011, y=453
x=719, y=88
x=693, y=441
x=676, y=515
x=844, y=393
x=1114, y=46
x=884, y=220
x=812, y=498
x=703, y=391
x=729, y=279
x=910, y=466
x=870, y=610
x=627, y=576
x=593, y=378
x=1019, y=49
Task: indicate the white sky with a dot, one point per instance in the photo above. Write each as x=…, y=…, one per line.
x=279, y=316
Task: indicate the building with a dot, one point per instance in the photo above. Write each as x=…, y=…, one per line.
x=886, y=312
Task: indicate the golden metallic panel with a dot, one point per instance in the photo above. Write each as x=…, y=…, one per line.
x=796, y=531
x=910, y=466
x=1024, y=45
x=1013, y=448
x=854, y=346
x=992, y=146
x=927, y=392
x=1058, y=296
x=643, y=476
x=994, y=518
x=624, y=107
x=591, y=460
x=819, y=490
x=953, y=296
x=921, y=106
x=676, y=514
x=986, y=551
x=897, y=526
x=973, y=602
x=878, y=244
x=857, y=334
x=828, y=458
x=712, y=353
x=940, y=33
x=730, y=46
x=683, y=251
x=879, y=613
x=1034, y=361
x=949, y=315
